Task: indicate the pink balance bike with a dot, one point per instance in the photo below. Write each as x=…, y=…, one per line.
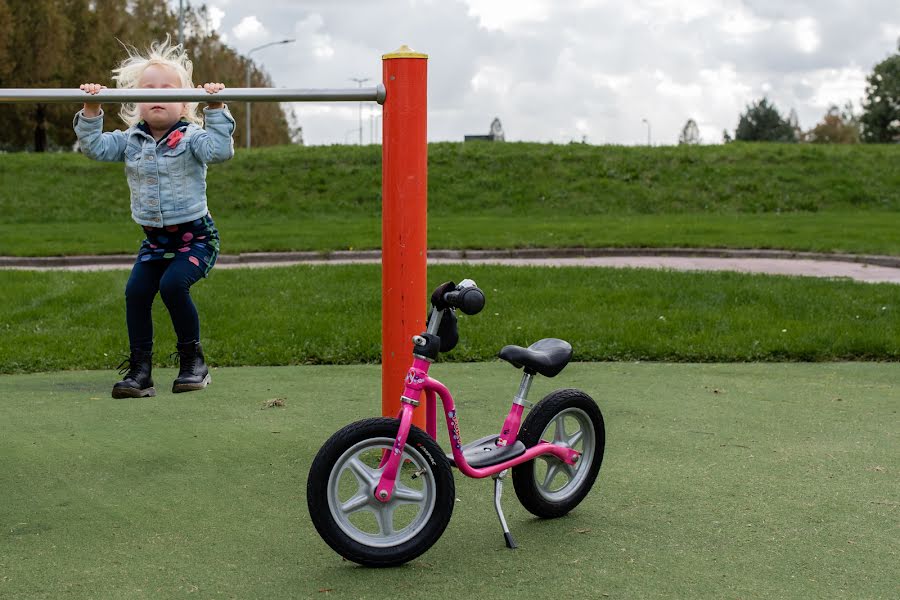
x=381, y=492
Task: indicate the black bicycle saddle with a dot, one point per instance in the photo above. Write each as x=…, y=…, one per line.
x=548, y=356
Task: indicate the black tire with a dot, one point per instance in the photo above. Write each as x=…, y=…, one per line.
x=538, y=490
x=357, y=449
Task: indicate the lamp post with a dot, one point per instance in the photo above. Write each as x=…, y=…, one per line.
x=181, y=22
x=360, y=81
x=648, y=131
x=249, y=65
x=373, y=127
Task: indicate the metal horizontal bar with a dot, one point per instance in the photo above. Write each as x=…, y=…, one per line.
x=116, y=95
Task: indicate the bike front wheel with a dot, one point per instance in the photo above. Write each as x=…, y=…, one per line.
x=340, y=493
x=547, y=486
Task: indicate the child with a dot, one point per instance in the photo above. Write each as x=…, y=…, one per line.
x=165, y=151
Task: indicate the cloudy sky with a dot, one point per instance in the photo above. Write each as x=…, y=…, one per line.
x=571, y=69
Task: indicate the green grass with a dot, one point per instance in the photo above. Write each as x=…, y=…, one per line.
x=802, y=197
x=855, y=233
x=331, y=314
x=719, y=481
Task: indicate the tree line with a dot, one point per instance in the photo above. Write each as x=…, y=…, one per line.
x=63, y=43
x=879, y=121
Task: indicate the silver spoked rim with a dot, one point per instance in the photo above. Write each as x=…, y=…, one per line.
x=554, y=479
x=351, y=495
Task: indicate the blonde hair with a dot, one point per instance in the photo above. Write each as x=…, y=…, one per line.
x=130, y=70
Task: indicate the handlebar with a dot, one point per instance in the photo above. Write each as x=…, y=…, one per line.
x=470, y=300
x=466, y=296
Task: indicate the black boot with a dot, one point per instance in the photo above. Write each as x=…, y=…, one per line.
x=137, y=382
x=192, y=371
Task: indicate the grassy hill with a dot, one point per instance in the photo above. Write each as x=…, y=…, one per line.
x=804, y=197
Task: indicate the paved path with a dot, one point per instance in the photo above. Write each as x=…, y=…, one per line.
x=867, y=268
x=775, y=266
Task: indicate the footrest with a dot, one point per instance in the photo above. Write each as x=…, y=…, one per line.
x=485, y=452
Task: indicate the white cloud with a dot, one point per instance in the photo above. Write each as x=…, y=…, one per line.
x=249, y=29
x=615, y=83
x=741, y=23
x=725, y=85
x=672, y=89
x=310, y=33
x=891, y=33
x=215, y=16
x=666, y=12
x=806, y=35
x=492, y=80
x=507, y=15
x=554, y=71
x=836, y=86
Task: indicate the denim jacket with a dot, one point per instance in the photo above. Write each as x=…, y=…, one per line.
x=168, y=184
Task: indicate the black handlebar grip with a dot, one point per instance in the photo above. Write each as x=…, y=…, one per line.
x=469, y=300
x=437, y=297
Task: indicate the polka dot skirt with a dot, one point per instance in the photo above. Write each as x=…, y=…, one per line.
x=195, y=241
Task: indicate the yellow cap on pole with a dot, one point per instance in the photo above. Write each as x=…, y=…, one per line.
x=403, y=51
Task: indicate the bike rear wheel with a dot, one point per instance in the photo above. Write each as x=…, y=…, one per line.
x=547, y=486
x=341, y=494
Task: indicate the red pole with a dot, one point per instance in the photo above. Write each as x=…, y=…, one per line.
x=404, y=183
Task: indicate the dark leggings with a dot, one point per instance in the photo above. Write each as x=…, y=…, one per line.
x=173, y=280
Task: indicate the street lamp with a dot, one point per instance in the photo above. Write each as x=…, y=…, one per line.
x=181, y=22
x=360, y=81
x=249, y=65
x=648, y=131
x=373, y=126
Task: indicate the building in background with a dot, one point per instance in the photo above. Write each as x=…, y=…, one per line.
x=496, y=134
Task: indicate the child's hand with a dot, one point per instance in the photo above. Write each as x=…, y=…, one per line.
x=212, y=88
x=91, y=109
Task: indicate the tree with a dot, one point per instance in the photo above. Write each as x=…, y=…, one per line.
x=41, y=27
x=881, y=109
x=763, y=123
x=150, y=21
x=690, y=133
x=70, y=42
x=837, y=127
x=6, y=31
x=295, y=129
x=794, y=122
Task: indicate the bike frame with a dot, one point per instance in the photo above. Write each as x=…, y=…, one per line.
x=417, y=383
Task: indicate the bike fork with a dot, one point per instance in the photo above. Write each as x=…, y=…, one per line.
x=390, y=463
x=498, y=491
